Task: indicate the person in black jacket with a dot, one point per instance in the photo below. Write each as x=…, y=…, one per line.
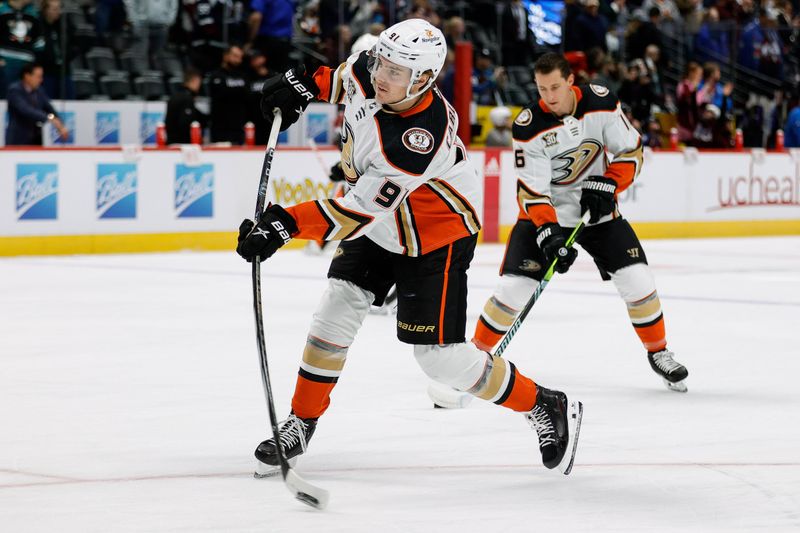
x=228, y=92
x=29, y=109
x=181, y=110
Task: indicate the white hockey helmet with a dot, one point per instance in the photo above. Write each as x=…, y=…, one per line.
x=415, y=44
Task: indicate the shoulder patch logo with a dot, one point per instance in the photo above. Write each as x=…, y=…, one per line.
x=599, y=90
x=550, y=139
x=524, y=118
x=418, y=140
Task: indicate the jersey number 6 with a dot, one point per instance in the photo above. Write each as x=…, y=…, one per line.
x=388, y=194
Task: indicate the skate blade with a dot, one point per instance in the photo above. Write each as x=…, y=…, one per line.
x=264, y=470
x=574, y=426
x=678, y=386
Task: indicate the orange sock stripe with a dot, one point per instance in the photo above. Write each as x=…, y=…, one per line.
x=485, y=335
x=521, y=393
x=444, y=293
x=311, y=398
x=653, y=335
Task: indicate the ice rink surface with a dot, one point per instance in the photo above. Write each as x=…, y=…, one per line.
x=130, y=400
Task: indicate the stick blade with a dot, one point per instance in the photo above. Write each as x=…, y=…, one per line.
x=306, y=492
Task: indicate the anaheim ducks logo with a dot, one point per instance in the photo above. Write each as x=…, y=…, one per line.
x=599, y=90
x=575, y=161
x=350, y=172
x=524, y=118
x=418, y=140
x=529, y=265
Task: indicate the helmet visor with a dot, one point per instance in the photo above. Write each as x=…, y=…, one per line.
x=386, y=72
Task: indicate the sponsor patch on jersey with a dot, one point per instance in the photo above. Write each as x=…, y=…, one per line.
x=550, y=139
x=599, y=90
x=418, y=140
x=524, y=118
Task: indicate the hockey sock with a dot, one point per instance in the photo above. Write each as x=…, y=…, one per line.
x=648, y=322
x=493, y=323
x=319, y=371
x=503, y=384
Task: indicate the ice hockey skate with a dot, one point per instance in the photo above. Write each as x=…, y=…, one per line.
x=557, y=422
x=672, y=372
x=295, y=433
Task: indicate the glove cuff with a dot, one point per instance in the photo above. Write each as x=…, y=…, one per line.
x=600, y=184
x=545, y=232
x=285, y=218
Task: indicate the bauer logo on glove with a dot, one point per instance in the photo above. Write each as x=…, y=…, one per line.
x=275, y=229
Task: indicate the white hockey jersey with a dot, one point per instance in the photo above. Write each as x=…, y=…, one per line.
x=554, y=155
x=412, y=187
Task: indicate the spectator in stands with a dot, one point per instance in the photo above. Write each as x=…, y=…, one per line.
x=337, y=47
x=645, y=31
x=228, y=94
x=29, y=109
x=637, y=91
x=652, y=56
x=500, y=117
x=150, y=21
x=257, y=74
x=791, y=130
x=652, y=135
x=181, y=109
x=109, y=19
x=590, y=27
x=711, y=42
x=21, y=39
x=271, y=24
x=202, y=20
x=516, y=37
x=486, y=78
x=711, y=91
x=712, y=129
x=54, y=60
x=454, y=30
x=760, y=48
x=424, y=9
x=686, y=95
x=669, y=16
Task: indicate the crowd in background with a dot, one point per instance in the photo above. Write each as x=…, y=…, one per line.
x=701, y=66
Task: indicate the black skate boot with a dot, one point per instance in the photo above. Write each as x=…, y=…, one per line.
x=672, y=372
x=557, y=421
x=295, y=433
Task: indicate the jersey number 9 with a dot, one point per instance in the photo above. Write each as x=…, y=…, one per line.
x=388, y=194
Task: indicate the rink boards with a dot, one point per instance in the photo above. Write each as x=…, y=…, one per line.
x=71, y=200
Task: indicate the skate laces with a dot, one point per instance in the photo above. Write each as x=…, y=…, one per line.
x=542, y=423
x=293, y=430
x=665, y=362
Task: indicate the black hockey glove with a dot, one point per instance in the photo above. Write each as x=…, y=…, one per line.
x=551, y=239
x=275, y=229
x=290, y=92
x=598, y=197
x=337, y=173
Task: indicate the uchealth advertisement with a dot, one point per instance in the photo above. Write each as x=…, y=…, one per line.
x=146, y=193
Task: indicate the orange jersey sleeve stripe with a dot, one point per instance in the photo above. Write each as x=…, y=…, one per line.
x=329, y=82
x=444, y=293
x=626, y=167
x=326, y=220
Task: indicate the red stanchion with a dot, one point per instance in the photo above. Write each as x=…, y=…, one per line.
x=250, y=134
x=161, y=135
x=195, y=133
x=738, y=143
x=779, y=140
x=673, y=139
x=462, y=89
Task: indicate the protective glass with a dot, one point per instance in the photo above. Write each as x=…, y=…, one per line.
x=384, y=71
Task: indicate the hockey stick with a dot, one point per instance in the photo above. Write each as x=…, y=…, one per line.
x=450, y=398
x=302, y=490
x=549, y=274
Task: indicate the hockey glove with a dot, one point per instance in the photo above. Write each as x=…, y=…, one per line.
x=598, y=197
x=275, y=229
x=290, y=92
x=337, y=173
x=551, y=239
